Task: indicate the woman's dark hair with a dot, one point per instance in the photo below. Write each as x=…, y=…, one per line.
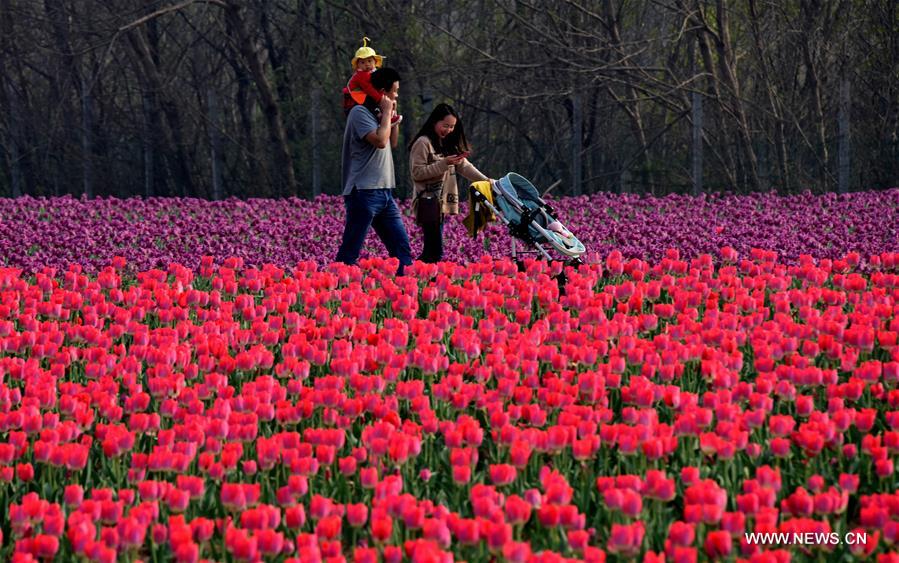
x=454, y=143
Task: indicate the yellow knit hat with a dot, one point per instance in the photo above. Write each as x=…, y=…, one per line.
x=365, y=52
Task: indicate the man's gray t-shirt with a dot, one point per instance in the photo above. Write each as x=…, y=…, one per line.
x=364, y=166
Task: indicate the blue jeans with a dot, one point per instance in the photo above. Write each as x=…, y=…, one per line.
x=377, y=209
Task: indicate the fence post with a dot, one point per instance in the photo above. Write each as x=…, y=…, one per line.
x=624, y=182
x=15, y=156
x=316, y=151
x=87, y=132
x=697, y=143
x=148, y=145
x=577, y=132
x=844, y=140
x=215, y=143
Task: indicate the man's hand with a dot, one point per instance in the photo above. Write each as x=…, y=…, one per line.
x=381, y=137
x=387, y=106
x=385, y=135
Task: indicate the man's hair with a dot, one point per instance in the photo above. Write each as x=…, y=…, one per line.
x=383, y=78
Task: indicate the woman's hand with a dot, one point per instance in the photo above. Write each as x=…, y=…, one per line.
x=454, y=159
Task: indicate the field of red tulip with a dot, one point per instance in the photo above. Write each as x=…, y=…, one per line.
x=656, y=410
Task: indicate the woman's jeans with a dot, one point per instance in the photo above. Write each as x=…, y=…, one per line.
x=432, y=235
x=377, y=209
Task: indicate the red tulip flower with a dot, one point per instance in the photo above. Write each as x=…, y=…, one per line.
x=718, y=544
x=502, y=474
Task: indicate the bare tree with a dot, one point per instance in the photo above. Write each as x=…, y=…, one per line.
x=213, y=98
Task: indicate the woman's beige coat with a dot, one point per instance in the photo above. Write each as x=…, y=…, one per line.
x=430, y=175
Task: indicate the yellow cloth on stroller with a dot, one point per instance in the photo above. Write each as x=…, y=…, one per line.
x=479, y=215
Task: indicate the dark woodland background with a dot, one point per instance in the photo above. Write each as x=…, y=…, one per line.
x=221, y=98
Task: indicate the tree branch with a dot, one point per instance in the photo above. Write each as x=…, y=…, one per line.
x=163, y=11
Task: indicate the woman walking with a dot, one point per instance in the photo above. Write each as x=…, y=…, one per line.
x=437, y=153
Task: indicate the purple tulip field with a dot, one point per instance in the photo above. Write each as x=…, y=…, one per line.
x=37, y=233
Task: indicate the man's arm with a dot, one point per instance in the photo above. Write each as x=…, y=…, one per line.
x=383, y=134
x=394, y=135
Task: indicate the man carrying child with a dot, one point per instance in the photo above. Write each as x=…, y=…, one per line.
x=368, y=175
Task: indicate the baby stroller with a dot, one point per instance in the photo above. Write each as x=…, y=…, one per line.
x=530, y=219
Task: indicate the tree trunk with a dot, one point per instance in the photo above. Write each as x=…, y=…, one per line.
x=630, y=106
x=714, y=93
x=177, y=159
x=12, y=99
x=810, y=12
x=729, y=73
x=820, y=125
x=780, y=140
x=258, y=177
x=277, y=134
x=283, y=82
x=62, y=82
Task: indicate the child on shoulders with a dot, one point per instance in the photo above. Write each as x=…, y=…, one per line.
x=359, y=86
